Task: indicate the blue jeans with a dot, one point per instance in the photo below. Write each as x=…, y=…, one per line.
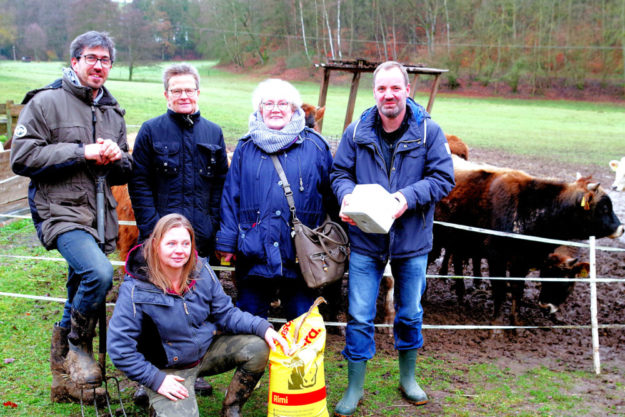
x=89, y=277
x=365, y=274
x=256, y=293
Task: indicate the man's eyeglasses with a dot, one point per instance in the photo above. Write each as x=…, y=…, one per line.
x=177, y=92
x=269, y=105
x=106, y=62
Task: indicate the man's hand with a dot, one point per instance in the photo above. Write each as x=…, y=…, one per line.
x=401, y=206
x=103, y=152
x=172, y=388
x=271, y=337
x=344, y=204
x=225, y=258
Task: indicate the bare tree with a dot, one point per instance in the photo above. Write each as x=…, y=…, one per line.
x=36, y=40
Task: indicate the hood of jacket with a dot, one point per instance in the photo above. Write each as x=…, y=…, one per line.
x=136, y=265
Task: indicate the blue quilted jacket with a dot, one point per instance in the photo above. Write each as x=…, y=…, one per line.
x=255, y=216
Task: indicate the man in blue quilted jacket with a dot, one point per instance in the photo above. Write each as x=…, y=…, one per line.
x=397, y=145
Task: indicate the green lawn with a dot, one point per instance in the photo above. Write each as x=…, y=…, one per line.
x=578, y=132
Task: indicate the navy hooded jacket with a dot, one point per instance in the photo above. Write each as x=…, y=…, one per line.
x=421, y=169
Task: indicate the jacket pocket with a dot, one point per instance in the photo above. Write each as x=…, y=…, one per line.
x=71, y=134
x=72, y=208
x=412, y=165
x=167, y=158
x=251, y=241
x=208, y=155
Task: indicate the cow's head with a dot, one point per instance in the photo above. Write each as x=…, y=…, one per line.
x=593, y=207
x=619, y=177
x=553, y=293
x=313, y=115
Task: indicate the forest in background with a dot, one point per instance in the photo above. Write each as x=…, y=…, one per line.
x=534, y=42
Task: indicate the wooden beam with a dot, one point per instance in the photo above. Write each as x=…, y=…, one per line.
x=433, y=91
x=323, y=94
x=351, y=104
x=413, y=87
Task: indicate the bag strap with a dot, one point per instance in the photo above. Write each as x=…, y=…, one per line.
x=285, y=185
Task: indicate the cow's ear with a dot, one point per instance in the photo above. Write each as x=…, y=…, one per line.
x=320, y=112
x=583, y=270
x=614, y=165
x=585, y=200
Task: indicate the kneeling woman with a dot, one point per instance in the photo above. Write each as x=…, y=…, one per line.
x=164, y=331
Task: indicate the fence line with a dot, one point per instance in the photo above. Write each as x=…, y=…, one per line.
x=594, y=326
x=446, y=224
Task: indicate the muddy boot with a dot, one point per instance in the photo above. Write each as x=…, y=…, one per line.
x=80, y=364
x=202, y=387
x=407, y=383
x=141, y=398
x=355, y=389
x=63, y=389
x=239, y=391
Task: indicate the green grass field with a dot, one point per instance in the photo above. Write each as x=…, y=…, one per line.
x=569, y=131
x=577, y=132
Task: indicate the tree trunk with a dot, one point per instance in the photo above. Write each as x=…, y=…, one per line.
x=301, y=15
x=327, y=19
x=338, y=28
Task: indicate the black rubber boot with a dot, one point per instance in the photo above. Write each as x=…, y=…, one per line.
x=239, y=391
x=80, y=364
x=63, y=389
x=355, y=389
x=202, y=387
x=407, y=383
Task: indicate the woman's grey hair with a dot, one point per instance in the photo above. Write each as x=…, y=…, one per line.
x=180, y=69
x=92, y=39
x=273, y=87
x=385, y=66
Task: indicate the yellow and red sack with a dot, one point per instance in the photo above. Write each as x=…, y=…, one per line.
x=297, y=381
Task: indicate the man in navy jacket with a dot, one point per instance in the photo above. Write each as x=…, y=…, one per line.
x=180, y=165
x=397, y=145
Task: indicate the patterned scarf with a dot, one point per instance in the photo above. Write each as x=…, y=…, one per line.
x=271, y=140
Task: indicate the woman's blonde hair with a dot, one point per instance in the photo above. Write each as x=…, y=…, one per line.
x=150, y=252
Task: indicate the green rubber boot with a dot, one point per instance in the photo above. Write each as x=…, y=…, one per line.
x=407, y=383
x=355, y=389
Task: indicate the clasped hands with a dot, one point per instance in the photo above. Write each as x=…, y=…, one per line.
x=103, y=152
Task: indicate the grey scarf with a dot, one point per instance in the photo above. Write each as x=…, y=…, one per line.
x=271, y=140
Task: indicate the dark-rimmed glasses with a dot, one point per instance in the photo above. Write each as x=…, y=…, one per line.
x=106, y=62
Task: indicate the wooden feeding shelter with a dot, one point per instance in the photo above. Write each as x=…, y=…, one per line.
x=358, y=66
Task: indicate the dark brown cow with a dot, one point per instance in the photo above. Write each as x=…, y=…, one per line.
x=559, y=264
x=514, y=201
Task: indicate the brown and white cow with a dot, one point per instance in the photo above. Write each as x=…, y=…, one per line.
x=514, y=201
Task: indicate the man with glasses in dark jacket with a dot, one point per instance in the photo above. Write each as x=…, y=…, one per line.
x=397, y=145
x=180, y=164
x=70, y=133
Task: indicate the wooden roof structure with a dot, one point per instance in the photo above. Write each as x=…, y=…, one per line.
x=358, y=66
